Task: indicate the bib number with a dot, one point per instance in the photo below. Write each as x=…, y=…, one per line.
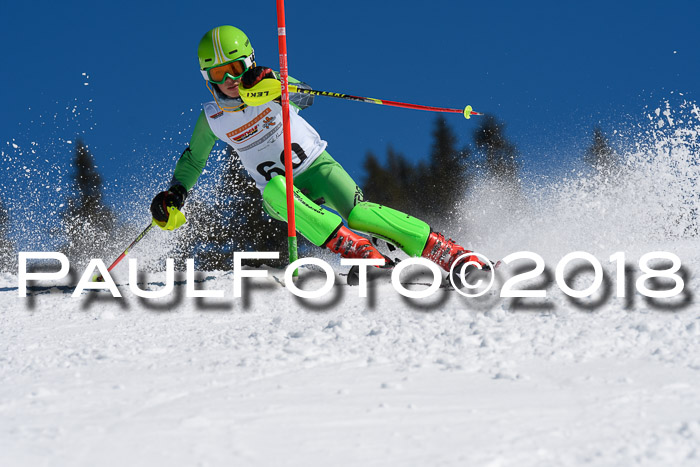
x=269, y=169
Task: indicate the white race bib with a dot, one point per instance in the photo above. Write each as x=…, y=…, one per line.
x=256, y=134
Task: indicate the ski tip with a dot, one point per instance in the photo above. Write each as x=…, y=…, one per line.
x=353, y=278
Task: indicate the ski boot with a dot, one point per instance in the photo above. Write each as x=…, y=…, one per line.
x=445, y=252
x=351, y=245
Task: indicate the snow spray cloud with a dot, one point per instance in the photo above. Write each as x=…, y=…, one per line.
x=651, y=197
x=36, y=179
x=37, y=169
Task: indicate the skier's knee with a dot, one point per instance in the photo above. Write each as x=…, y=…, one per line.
x=312, y=221
x=275, y=187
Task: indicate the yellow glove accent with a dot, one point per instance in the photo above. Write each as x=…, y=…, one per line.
x=265, y=91
x=176, y=219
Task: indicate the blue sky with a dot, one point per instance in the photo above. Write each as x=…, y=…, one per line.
x=551, y=70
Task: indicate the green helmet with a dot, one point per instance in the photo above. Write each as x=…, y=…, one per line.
x=223, y=44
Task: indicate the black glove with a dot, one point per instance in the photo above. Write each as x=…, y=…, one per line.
x=175, y=196
x=254, y=75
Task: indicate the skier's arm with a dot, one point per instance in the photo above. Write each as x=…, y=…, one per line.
x=187, y=170
x=299, y=101
x=191, y=163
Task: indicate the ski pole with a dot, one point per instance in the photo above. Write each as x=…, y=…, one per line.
x=467, y=111
x=269, y=89
x=98, y=277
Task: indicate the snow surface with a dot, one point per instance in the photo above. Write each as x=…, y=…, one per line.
x=270, y=379
x=349, y=381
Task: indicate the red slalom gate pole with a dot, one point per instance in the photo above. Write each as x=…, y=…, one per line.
x=288, y=168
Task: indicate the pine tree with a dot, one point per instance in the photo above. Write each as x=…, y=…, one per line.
x=599, y=154
x=88, y=223
x=447, y=178
x=391, y=185
x=501, y=156
x=7, y=248
x=374, y=188
x=430, y=190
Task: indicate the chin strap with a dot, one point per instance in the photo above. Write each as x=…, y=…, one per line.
x=238, y=108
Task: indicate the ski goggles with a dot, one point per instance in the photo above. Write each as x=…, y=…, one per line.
x=233, y=69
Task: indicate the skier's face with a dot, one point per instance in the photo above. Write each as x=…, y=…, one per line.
x=230, y=87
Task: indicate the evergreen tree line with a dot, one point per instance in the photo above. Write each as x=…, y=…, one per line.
x=432, y=190
x=235, y=221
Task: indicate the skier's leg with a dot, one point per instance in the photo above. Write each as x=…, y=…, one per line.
x=327, y=180
x=412, y=235
x=313, y=222
x=404, y=231
x=320, y=226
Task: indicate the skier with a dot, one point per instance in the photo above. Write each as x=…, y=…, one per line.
x=227, y=61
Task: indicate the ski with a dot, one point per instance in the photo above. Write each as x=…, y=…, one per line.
x=353, y=276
